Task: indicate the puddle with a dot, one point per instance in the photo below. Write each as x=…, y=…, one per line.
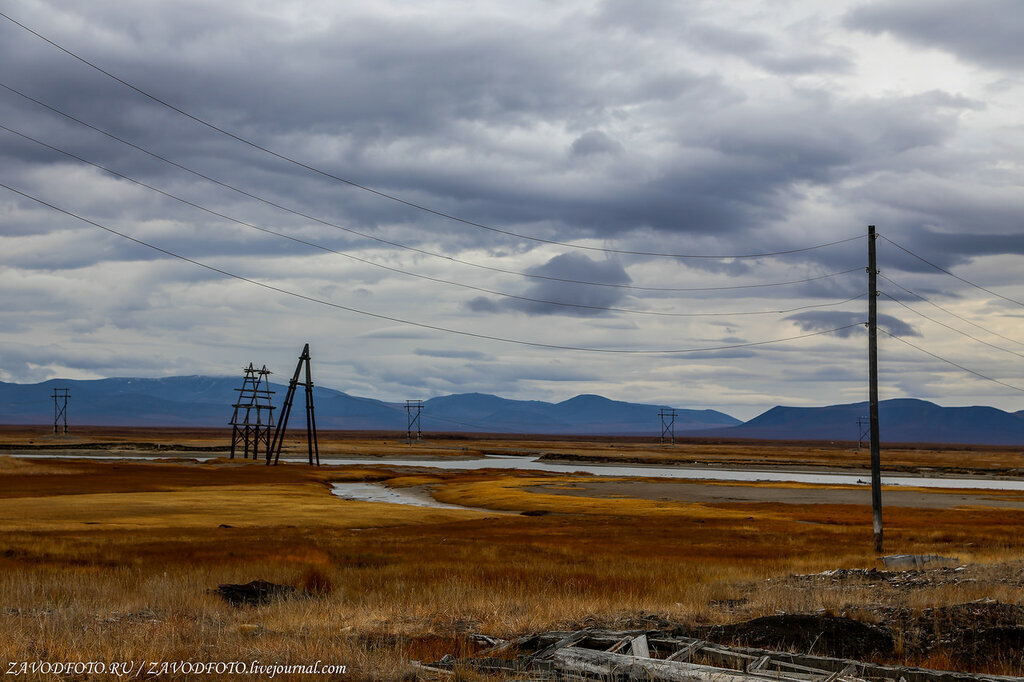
x=375, y=492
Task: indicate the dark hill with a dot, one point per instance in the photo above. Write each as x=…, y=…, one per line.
x=206, y=401
x=902, y=420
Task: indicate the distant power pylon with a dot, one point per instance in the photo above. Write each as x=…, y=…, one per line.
x=60, y=409
x=862, y=431
x=254, y=395
x=668, y=424
x=286, y=411
x=413, y=409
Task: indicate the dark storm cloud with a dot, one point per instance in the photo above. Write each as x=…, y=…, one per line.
x=594, y=142
x=821, y=320
x=579, y=300
x=683, y=24
x=988, y=32
x=378, y=97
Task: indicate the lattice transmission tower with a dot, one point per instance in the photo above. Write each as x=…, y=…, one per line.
x=248, y=429
x=60, y=409
x=413, y=408
x=668, y=424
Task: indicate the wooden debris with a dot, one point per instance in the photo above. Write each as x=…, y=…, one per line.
x=254, y=593
x=599, y=654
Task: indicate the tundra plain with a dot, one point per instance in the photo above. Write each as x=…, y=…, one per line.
x=108, y=558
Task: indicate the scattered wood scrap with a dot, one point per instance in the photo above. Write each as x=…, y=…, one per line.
x=592, y=654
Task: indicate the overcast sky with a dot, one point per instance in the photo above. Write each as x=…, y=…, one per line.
x=573, y=140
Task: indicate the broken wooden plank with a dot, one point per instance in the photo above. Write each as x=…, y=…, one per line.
x=848, y=671
x=686, y=652
x=568, y=640
x=614, y=648
x=510, y=644
x=639, y=647
x=577, y=659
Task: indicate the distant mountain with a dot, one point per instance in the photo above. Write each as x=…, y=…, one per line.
x=584, y=414
x=206, y=401
x=902, y=420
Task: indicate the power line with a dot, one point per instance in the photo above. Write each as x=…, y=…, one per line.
x=398, y=199
x=950, y=362
x=387, y=242
x=407, y=272
x=955, y=276
x=951, y=328
x=421, y=325
x=948, y=311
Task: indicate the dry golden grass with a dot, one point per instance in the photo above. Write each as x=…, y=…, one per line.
x=117, y=559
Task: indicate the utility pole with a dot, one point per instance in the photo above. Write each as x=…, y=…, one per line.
x=413, y=409
x=876, y=448
x=668, y=424
x=60, y=409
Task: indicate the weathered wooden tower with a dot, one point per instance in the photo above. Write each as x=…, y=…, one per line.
x=253, y=396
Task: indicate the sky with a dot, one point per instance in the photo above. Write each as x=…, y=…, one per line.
x=533, y=199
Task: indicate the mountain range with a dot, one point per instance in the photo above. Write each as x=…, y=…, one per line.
x=204, y=401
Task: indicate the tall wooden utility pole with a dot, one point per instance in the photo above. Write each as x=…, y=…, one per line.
x=876, y=448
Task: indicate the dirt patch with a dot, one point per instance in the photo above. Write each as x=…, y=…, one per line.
x=971, y=634
x=834, y=636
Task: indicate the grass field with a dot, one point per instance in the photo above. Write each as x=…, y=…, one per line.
x=115, y=560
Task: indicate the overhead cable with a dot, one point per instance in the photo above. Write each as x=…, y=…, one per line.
x=953, y=275
x=949, y=327
x=422, y=325
x=399, y=200
x=948, y=311
x=950, y=362
x=400, y=245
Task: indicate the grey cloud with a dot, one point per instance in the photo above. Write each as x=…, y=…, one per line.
x=761, y=51
x=578, y=300
x=814, y=320
x=732, y=165
x=453, y=354
x=826, y=373
x=988, y=32
x=801, y=64
x=594, y=142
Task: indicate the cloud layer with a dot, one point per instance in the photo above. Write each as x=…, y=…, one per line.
x=573, y=140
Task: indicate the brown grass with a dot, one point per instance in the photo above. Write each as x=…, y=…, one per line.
x=117, y=559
